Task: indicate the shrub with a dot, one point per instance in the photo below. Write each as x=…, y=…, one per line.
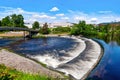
x=60, y=29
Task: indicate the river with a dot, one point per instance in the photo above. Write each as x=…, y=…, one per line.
x=107, y=69
x=109, y=66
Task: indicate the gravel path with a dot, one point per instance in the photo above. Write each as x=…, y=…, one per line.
x=23, y=64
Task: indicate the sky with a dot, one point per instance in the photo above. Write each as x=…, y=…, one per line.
x=92, y=11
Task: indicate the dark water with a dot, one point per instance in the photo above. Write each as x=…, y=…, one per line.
x=5, y=42
x=41, y=46
x=109, y=66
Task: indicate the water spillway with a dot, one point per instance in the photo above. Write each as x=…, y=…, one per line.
x=70, y=55
x=54, y=60
x=84, y=62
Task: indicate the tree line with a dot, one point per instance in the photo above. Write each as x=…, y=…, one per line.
x=107, y=32
x=13, y=21
x=80, y=28
x=89, y=29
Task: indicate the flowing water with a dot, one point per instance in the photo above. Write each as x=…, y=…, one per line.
x=107, y=69
x=52, y=51
x=69, y=55
x=5, y=42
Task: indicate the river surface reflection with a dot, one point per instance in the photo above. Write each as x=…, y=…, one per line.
x=109, y=66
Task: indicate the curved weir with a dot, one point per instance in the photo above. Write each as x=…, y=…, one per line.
x=82, y=64
x=70, y=55
x=54, y=62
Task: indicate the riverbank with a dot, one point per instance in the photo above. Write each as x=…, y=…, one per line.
x=21, y=34
x=13, y=34
x=25, y=65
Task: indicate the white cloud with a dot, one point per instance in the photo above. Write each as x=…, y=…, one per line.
x=60, y=14
x=65, y=18
x=54, y=9
x=43, y=16
x=71, y=11
x=29, y=17
x=75, y=16
x=93, y=19
x=79, y=18
x=70, y=16
x=104, y=12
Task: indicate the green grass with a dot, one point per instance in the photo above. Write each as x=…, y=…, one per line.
x=39, y=36
x=7, y=73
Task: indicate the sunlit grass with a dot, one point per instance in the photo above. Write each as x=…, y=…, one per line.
x=7, y=73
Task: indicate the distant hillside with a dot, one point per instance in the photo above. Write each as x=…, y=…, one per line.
x=111, y=23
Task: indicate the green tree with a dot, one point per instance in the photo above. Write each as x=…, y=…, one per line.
x=82, y=26
x=60, y=29
x=45, y=29
x=20, y=20
x=6, y=21
x=36, y=25
x=0, y=23
x=78, y=28
x=17, y=20
x=13, y=20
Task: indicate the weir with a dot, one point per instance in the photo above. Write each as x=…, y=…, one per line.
x=55, y=60
x=84, y=62
x=80, y=62
x=73, y=56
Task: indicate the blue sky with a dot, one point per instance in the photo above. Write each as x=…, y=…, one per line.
x=92, y=11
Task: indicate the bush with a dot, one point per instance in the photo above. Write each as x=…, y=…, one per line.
x=45, y=29
x=6, y=76
x=4, y=73
x=60, y=29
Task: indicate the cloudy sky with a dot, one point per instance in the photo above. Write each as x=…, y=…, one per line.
x=92, y=11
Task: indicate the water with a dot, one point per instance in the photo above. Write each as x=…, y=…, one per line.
x=107, y=69
x=52, y=51
x=109, y=66
x=44, y=46
x=5, y=42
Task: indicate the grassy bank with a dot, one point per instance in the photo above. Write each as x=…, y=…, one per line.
x=7, y=73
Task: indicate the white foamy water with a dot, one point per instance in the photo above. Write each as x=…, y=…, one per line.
x=54, y=61
x=79, y=67
x=74, y=64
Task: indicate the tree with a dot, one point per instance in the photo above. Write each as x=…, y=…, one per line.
x=78, y=28
x=0, y=23
x=36, y=25
x=17, y=20
x=45, y=29
x=61, y=29
x=20, y=20
x=13, y=20
x=82, y=26
x=6, y=21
